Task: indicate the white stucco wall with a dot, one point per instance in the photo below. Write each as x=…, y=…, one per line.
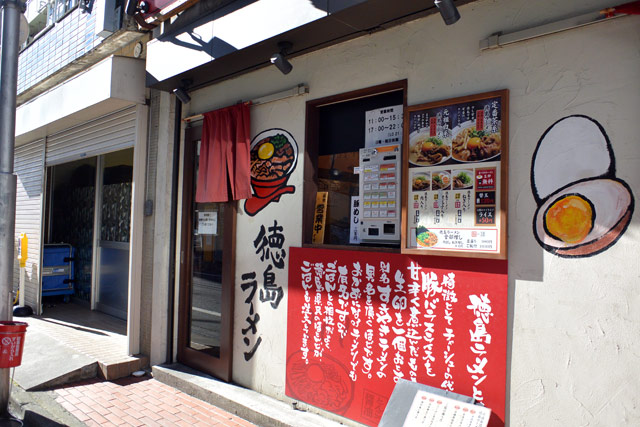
x=574, y=323
x=265, y=371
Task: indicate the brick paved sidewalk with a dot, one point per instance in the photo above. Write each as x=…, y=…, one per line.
x=142, y=401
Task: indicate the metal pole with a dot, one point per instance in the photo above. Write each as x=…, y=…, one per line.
x=8, y=88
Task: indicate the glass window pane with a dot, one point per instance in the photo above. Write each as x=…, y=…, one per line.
x=206, y=284
x=335, y=176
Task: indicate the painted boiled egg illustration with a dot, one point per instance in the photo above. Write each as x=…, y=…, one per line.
x=266, y=151
x=582, y=207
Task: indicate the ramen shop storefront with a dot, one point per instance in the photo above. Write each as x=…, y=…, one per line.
x=329, y=251
x=402, y=272
x=372, y=245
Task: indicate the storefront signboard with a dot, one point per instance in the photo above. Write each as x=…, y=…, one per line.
x=358, y=322
x=456, y=177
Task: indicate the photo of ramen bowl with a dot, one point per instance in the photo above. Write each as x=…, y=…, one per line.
x=471, y=145
x=421, y=182
x=426, y=238
x=425, y=150
x=274, y=154
x=462, y=179
x=441, y=180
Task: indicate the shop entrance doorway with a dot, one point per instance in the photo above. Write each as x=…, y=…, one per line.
x=86, y=233
x=207, y=275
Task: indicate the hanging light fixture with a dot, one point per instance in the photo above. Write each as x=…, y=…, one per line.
x=448, y=11
x=181, y=92
x=279, y=58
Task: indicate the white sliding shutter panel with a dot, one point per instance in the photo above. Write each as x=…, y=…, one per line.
x=29, y=168
x=113, y=132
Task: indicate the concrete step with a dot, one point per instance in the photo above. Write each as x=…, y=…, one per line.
x=46, y=362
x=122, y=368
x=248, y=404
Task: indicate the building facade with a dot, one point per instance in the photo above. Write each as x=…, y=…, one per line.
x=540, y=326
x=81, y=127
x=567, y=314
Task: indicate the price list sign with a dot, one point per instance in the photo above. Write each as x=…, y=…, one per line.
x=455, y=171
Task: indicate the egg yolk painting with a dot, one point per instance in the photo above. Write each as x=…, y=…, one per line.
x=583, y=207
x=266, y=151
x=570, y=219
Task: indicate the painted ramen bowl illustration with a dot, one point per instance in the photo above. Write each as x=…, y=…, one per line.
x=582, y=207
x=324, y=383
x=274, y=154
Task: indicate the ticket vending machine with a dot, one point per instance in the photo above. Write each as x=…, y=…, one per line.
x=380, y=174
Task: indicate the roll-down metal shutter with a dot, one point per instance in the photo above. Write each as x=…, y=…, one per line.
x=29, y=169
x=113, y=132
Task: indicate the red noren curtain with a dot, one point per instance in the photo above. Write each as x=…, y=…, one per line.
x=224, y=168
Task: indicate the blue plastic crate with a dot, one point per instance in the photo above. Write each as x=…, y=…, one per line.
x=57, y=269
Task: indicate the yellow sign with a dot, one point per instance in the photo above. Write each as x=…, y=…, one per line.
x=320, y=216
x=24, y=243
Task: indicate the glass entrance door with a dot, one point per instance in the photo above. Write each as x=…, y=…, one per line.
x=206, y=288
x=114, y=208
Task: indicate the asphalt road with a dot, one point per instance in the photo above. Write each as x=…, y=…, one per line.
x=206, y=312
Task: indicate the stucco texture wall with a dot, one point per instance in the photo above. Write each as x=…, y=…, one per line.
x=259, y=356
x=574, y=322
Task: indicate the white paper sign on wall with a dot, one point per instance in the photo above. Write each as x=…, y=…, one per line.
x=208, y=223
x=383, y=126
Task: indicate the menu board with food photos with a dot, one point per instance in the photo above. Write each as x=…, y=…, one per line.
x=455, y=174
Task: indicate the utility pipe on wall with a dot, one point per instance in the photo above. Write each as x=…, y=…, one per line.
x=499, y=39
x=11, y=11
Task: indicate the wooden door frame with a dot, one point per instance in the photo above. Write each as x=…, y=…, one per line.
x=218, y=367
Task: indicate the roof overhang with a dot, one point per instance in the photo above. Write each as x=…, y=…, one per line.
x=360, y=18
x=112, y=84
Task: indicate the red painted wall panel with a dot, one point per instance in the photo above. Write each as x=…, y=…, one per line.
x=358, y=321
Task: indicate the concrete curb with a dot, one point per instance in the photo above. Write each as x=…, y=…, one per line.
x=248, y=404
x=39, y=409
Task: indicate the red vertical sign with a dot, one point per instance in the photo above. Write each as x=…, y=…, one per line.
x=479, y=119
x=433, y=126
x=359, y=321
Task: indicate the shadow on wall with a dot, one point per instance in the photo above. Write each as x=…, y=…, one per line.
x=197, y=16
x=26, y=180
x=215, y=47
x=31, y=284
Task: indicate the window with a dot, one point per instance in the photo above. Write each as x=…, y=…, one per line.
x=335, y=134
x=45, y=16
x=59, y=9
